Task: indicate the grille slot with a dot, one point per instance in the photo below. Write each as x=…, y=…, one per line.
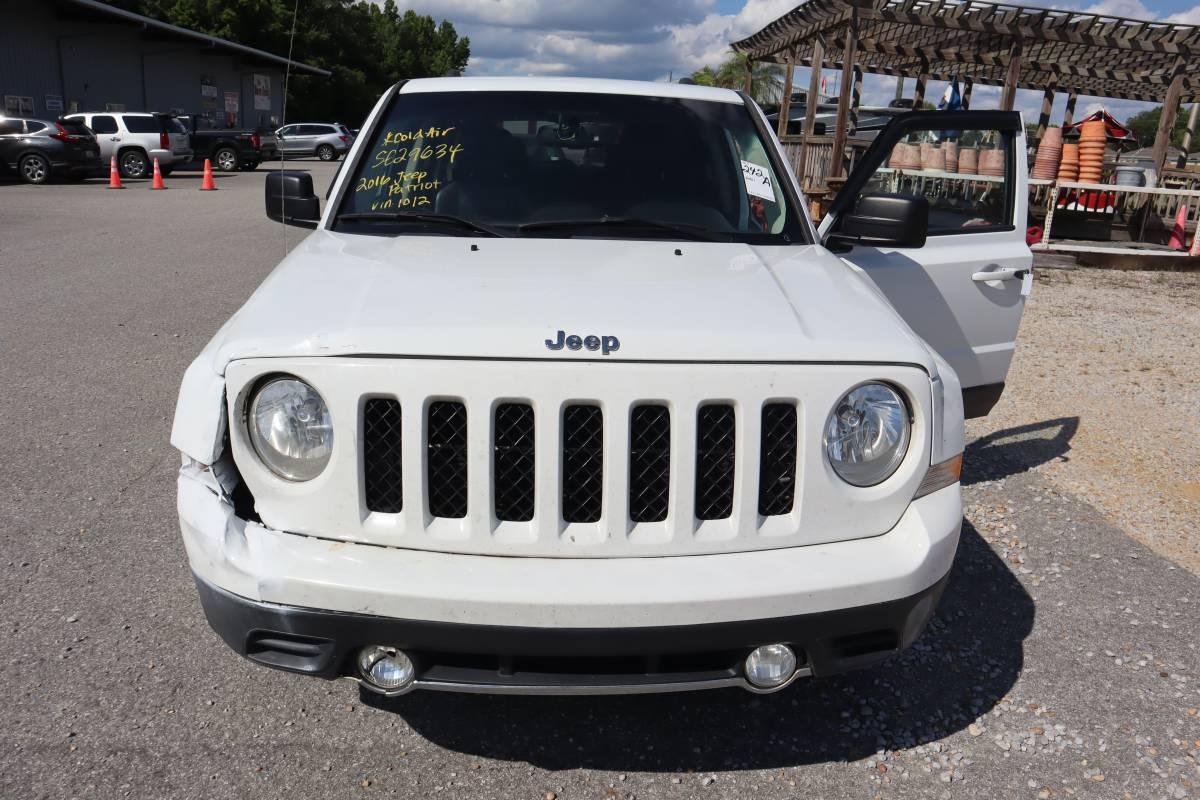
x=649, y=463
x=446, y=459
x=777, y=466
x=382, y=466
x=512, y=462
x=715, y=451
x=582, y=463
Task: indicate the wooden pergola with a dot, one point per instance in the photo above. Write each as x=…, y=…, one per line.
x=981, y=43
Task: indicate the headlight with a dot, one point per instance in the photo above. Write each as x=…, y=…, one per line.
x=867, y=434
x=290, y=428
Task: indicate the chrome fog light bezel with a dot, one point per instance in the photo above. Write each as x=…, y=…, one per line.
x=787, y=667
x=372, y=657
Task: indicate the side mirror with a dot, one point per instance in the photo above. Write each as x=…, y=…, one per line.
x=290, y=198
x=884, y=220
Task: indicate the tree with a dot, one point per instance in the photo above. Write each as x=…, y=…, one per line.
x=1145, y=125
x=766, y=82
x=365, y=46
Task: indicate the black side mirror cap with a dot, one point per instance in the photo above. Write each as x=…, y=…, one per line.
x=290, y=198
x=884, y=220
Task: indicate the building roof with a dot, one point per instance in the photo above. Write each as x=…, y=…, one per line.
x=1092, y=54
x=187, y=33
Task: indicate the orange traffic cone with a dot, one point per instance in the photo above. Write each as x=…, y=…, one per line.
x=208, y=185
x=158, y=181
x=114, y=175
x=1178, y=237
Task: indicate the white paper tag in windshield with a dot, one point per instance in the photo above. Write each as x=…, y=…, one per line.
x=758, y=181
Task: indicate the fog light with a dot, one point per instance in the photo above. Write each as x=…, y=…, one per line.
x=770, y=666
x=385, y=668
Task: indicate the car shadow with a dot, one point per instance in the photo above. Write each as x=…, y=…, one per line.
x=966, y=661
x=1015, y=450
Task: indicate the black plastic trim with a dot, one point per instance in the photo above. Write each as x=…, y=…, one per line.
x=979, y=400
x=326, y=641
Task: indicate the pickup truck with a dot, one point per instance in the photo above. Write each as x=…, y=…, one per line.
x=566, y=392
x=230, y=149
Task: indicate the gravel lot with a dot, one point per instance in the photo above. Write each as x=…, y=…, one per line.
x=1062, y=662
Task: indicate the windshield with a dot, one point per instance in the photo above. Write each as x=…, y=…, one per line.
x=569, y=164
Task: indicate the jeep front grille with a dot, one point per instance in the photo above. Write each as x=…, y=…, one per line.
x=649, y=463
x=382, y=463
x=583, y=463
x=777, y=458
x=446, y=459
x=513, y=462
x=715, y=457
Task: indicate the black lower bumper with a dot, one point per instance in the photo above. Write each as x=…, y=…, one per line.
x=499, y=658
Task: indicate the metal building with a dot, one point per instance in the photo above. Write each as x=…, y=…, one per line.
x=61, y=56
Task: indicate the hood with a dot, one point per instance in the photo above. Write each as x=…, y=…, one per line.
x=457, y=297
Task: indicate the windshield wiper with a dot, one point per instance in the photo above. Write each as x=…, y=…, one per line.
x=448, y=220
x=683, y=229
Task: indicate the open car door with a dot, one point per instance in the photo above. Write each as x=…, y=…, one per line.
x=964, y=289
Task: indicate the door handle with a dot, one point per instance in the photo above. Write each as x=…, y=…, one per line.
x=1002, y=274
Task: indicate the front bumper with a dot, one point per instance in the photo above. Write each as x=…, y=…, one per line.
x=488, y=623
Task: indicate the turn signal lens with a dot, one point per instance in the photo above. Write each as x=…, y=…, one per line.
x=940, y=476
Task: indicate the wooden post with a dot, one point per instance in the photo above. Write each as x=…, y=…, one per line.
x=749, y=85
x=1069, y=114
x=855, y=99
x=1047, y=106
x=968, y=87
x=919, y=89
x=810, y=106
x=899, y=87
x=1166, y=122
x=849, y=54
x=1008, y=97
x=785, y=106
x=1187, y=137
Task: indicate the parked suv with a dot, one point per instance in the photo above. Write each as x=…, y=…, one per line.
x=38, y=149
x=137, y=138
x=326, y=141
x=622, y=420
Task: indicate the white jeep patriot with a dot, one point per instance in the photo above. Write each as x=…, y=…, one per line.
x=566, y=393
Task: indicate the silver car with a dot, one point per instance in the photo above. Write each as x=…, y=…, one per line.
x=327, y=141
x=137, y=138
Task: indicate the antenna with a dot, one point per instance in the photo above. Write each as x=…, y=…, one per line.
x=283, y=119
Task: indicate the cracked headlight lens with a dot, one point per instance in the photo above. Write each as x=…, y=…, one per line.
x=867, y=434
x=290, y=428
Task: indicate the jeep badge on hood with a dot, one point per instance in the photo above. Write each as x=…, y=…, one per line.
x=605, y=344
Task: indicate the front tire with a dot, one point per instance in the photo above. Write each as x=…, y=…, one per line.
x=134, y=164
x=226, y=159
x=34, y=169
x=326, y=153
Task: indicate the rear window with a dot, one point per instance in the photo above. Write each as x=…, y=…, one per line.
x=175, y=126
x=343, y=130
x=142, y=124
x=74, y=127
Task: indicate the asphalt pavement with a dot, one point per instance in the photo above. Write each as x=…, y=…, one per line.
x=1061, y=662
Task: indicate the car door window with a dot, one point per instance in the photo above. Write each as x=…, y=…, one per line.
x=103, y=124
x=33, y=127
x=964, y=174
x=140, y=124
x=290, y=130
x=8, y=127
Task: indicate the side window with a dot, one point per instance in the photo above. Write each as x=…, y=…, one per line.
x=966, y=176
x=287, y=130
x=140, y=124
x=8, y=127
x=32, y=126
x=311, y=130
x=103, y=124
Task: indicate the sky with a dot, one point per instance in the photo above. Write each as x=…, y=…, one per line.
x=662, y=39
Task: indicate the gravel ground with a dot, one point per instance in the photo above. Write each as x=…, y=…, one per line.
x=1106, y=383
x=1062, y=661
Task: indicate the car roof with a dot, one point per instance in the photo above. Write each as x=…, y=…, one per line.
x=122, y=113
x=682, y=91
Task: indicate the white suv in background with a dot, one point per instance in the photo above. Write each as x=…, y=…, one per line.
x=137, y=138
x=566, y=393
x=326, y=141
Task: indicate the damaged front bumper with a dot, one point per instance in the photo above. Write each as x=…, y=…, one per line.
x=560, y=625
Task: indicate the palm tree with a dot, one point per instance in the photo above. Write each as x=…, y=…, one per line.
x=766, y=79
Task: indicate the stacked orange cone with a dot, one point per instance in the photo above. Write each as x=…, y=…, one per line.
x=208, y=185
x=158, y=180
x=114, y=175
x=1179, y=232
